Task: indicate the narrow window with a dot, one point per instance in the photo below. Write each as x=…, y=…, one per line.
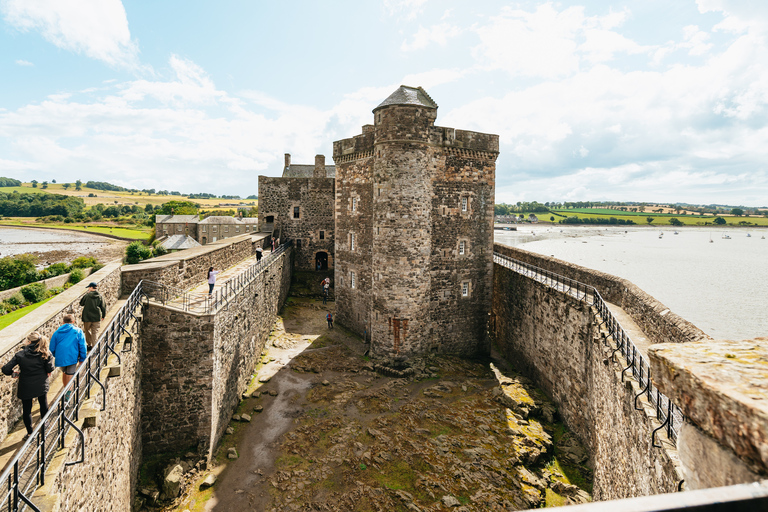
x=352, y=243
x=352, y=279
x=465, y=289
x=322, y=235
x=298, y=243
x=354, y=204
x=296, y=212
x=461, y=247
x=341, y=281
x=463, y=204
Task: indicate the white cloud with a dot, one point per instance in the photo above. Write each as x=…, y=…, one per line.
x=439, y=34
x=21, y=62
x=181, y=133
x=409, y=8
x=97, y=29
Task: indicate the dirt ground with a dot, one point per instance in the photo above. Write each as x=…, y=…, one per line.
x=330, y=432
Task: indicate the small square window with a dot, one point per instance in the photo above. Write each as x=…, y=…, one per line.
x=296, y=212
x=322, y=235
x=465, y=289
x=464, y=202
x=461, y=247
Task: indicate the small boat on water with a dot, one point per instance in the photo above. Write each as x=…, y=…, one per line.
x=749, y=236
x=676, y=233
x=726, y=236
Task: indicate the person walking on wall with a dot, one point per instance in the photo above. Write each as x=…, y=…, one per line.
x=94, y=309
x=259, y=252
x=211, y=279
x=68, y=347
x=35, y=366
x=330, y=320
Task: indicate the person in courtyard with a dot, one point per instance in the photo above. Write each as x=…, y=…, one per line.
x=68, y=348
x=94, y=309
x=330, y=320
x=35, y=366
x=212, y=279
x=259, y=252
x=326, y=288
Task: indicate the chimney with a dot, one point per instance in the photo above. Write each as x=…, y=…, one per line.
x=319, y=166
x=287, y=160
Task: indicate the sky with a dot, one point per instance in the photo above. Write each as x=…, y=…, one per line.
x=615, y=100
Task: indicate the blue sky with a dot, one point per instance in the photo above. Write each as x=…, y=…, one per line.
x=634, y=100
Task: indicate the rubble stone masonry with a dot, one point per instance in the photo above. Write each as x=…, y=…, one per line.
x=556, y=341
x=196, y=366
x=311, y=227
x=414, y=231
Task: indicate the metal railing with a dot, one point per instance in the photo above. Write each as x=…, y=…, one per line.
x=203, y=303
x=26, y=471
x=668, y=414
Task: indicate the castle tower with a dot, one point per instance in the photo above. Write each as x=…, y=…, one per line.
x=414, y=226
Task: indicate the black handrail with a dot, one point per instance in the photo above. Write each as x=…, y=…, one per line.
x=26, y=471
x=672, y=418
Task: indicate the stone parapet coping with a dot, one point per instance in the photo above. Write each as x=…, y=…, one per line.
x=11, y=336
x=722, y=387
x=193, y=253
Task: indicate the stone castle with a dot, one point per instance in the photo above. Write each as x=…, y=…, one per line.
x=405, y=219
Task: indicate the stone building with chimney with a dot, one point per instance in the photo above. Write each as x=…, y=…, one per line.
x=414, y=230
x=299, y=205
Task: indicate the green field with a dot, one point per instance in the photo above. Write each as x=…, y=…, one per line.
x=614, y=213
x=11, y=317
x=133, y=232
x=660, y=219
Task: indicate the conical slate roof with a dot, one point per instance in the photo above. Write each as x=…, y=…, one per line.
x=406, y=95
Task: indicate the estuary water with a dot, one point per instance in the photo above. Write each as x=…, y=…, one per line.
x=719, y=286
x=50, y=245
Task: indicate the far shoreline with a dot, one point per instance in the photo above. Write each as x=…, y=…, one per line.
x=71, y=230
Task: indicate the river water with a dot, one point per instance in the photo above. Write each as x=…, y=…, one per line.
x=14, y=241
x=719, y=286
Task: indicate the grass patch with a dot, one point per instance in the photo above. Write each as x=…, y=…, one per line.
x=134, y=233
x=552, y=499
x=11, y=317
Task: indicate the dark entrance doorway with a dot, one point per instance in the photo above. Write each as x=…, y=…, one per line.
x=321, y=261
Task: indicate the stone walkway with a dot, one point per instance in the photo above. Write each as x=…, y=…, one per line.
x=630, y=327
x=15, y=437
x=197, y=300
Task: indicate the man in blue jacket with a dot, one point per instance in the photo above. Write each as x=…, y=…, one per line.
x=68, y=347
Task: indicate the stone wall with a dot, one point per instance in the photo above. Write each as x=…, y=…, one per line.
x=240, y=332
x=185, y=269
x=108, y=479
x=313, y=230
x=176, y=380
x=45, y=320
x=51, y=282
x=196, y=366
x=556, y=341
x=654, y=318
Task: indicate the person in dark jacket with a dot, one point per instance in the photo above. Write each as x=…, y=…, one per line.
x=68, y=347
x=94, y=309
x=35, y=366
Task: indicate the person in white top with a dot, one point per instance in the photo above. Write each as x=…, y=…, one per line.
x=211, y=279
